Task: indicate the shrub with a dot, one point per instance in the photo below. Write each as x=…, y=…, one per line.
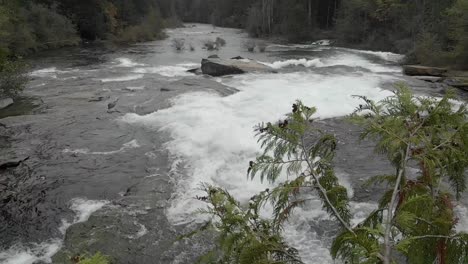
x=249, y=45
x=98, y=258
x=178, y=43
x=150, y=28
x=210, y=45
x=12, y=79
x=428, y=50
x=220, y=42
x=261, y=45
x=51, y=30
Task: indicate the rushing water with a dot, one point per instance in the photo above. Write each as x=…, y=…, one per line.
x=122, y=179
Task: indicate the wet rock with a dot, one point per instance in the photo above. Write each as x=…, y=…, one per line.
x=11, y=162
x=165, y=90
x=4, y=103
x=196, y=71
x=237, y=58
x=98, y=98
x=417, y=70
x=213, y=56
x=221, y=67
x=457, y=82
x=431, y=79
x=112, y=104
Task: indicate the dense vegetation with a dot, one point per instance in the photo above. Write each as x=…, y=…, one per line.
x=415, y=218
x=431, y=31
x=27, y=26
x=30, y=25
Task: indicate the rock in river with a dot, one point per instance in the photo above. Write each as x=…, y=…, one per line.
x=417, y=70
x=221, y=67
x=4, y=103
x=457, y=82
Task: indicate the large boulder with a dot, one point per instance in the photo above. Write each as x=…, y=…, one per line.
x=4, y=103
x=221, y=67
x=417, y=70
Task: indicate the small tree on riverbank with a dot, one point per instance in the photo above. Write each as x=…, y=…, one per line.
x=12, y=78
x=415, y=217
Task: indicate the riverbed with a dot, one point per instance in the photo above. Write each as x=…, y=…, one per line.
x=120, y=139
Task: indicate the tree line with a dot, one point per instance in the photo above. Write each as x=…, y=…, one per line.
x=430, y=32
x=27, y=26
x=30, y=25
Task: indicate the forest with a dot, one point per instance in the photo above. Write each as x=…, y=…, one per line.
x=429, y=32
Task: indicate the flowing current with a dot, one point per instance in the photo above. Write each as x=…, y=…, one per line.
x=127, y=136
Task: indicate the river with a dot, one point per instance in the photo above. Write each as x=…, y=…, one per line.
x=118, y=141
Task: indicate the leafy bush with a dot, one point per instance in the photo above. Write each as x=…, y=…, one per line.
x=210, y=45
x=220, y=42
x=150, y=28
x=415, y=216
x=261, y=45
x=12, y=79
x=249, y=45
x=98, y=258
x=191, y=47
x=51, y=30
x=428, y=50
x=178, y=43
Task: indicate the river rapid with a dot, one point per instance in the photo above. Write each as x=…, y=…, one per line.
x=118, y=141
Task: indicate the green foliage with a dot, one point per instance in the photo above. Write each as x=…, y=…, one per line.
x=285, y=147
x=415, y=217
x=97, y=258
x=244, y=237
x=431, y=133
x=28, y=27
x=150, y=28
x=430, y=32
x=12, y=78
x=51, y=29
x=457, y=17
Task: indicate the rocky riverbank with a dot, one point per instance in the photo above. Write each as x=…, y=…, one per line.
x=456, y=79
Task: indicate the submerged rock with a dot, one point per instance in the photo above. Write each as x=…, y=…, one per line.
x=221, y=67
x=4, y=103
x=11, y=162
x=457, y=82
x=418, y=70
x=98, y=98
x=431, y=79
x=196, y=71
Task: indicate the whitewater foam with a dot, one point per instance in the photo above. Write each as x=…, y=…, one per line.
x=169, y=71
x=86, y=151
x=388, y=56
x=215, y=136
x=124, y=78
x=47, y=72
x=298, y=62
x=43, y=252
x=345, y=59
x=462, y=214
x=126, y=62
